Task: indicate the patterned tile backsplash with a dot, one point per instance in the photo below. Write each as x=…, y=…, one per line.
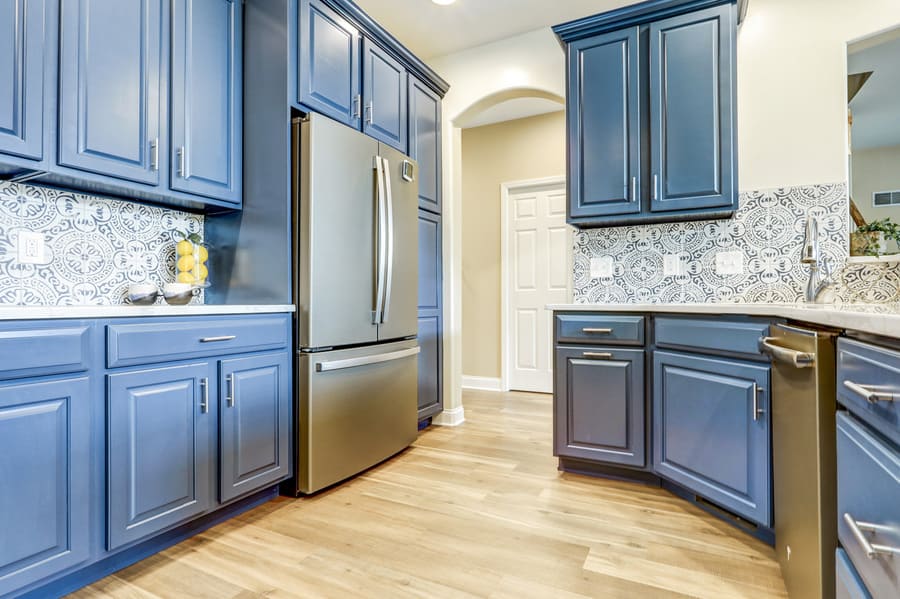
x=766, y=232
x=95, y=247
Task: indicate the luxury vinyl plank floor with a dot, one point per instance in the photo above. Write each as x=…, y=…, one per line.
x=478, y=510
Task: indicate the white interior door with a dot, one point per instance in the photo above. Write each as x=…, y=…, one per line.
x=538, y=272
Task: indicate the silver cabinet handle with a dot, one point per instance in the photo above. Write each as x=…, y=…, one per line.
x=154, y=155
x=180, y=170
x=217, y=339
x=595, y=331
x=655, y=186
x=357, y=103
x=798, y=359
x=872, y=550
x=593, y=355
x=366, y=360
x=204, y=397
x=870, y=395
x=633, y=189
x=757, y=411
x=370, y=112
x=229, y=391
x=389, y=261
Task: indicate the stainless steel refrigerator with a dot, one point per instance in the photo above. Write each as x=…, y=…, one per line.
x=356, y=261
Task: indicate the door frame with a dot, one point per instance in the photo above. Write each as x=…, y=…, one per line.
x=508, y=189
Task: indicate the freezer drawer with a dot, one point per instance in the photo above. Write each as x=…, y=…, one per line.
x=357, y=407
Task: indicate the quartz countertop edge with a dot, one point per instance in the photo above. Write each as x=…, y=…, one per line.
x=879, y=319
x=128, y=311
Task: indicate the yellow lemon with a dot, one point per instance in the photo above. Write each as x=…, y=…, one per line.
x=184, y=248
x=204, y=254
x=185, y=277
x=186, y=263
x=204, y=272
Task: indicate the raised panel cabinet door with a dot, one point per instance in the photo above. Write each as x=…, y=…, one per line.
x=254, y=423
x=425, y=142
x=599, y=405
x=110, y=69
x=711, y=430
x=692, y=111
x=384, y=96
x=45, y=498
x=430, y=327
x=206, y=103
x=160, y=424
x=22, y=78
x=328, y=63
x=605, y=125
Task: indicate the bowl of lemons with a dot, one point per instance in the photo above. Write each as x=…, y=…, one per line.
x=191, y=258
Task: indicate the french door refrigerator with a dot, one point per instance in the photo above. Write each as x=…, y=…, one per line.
x=356, y=261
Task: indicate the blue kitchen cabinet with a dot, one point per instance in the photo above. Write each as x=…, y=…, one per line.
x=22, y=57
x=384, y=96
x=430, y=316
x=425, y=142
x=692, y=111
x=160, y=449
x=111, y=88
x=45, y=483
x=328, y=64
x=604, y=125
x=711, y=429
x=206, y=98
x=599, y=405
x=254, y=423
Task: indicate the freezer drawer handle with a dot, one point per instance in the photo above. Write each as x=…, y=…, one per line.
x=366, y=360
x=871, y=550
x=798, y=359
x=870, y=395
x=593, y=331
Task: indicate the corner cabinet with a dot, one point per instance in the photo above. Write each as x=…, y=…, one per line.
x=425, y=142
x=430, y=316
x=651, y=130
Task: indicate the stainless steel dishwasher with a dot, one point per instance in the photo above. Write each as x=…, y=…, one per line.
x=803, y=455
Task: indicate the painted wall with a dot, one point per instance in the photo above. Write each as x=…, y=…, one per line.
x=876, y=169
x=529, y=148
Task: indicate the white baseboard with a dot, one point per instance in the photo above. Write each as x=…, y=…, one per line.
x=451, y=417
x=482, y=383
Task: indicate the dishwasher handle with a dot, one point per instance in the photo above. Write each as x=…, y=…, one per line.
x=797, y=359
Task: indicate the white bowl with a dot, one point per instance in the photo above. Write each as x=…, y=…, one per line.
x=142, y=294
x=178, y=294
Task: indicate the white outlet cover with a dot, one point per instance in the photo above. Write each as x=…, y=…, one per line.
x=601, y=267
x=30, y=248
x=730, y=263
x=672, y=265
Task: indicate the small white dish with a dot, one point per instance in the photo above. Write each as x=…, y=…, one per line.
x=142, y=294
x=178, y=294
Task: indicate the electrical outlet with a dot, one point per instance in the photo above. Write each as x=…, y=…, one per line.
x=730, y=263
x=601, y=267
x=673, y=266
x=30, y=248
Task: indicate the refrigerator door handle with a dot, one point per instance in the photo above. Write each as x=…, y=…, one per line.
x=366, y=360
x=388, y=285
x=380, y=242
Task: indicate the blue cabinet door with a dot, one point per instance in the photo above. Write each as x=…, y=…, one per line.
x=424, y=132
x=22, y=78
x=384, y=96
x=430, y=316
x=45, y=497
x=604, y=125
x=599, y=405
x=255, y=427
x=206, y=104
x=711, y=430
x=110, y=87
x=160, y=425
x=328, y=75
x=692, y=111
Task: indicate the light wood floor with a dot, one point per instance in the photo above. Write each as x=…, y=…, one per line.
x=473, y=511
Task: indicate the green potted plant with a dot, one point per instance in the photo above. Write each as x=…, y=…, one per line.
x=871, y=238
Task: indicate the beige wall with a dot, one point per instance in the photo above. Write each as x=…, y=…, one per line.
x=877, y=169
x=529, y=148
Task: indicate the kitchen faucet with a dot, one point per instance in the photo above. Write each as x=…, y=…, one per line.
x=819, y=268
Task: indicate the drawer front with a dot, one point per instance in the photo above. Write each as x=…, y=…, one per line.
x=848, y=584
x=868, y=384
x=713, y=335
x=149, y=341
x=868, y=507
x=35, y=349
x=601, y=329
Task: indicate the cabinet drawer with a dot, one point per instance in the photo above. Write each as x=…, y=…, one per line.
x=33, y=348
x=863, y=370
x=713, y=335
x=868, y=473
x=847, y=582
x=148, y=341
x=600, y=328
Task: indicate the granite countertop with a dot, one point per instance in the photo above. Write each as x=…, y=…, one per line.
x=126, y=311
x=880, y=319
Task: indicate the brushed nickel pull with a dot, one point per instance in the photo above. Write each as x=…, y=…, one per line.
x=229, y=390
x=370, y=112
x=796, y=358
x=757, y=411
x=593, y=355
x=633, y=189
x=180, y=171
x=154, y=155
x=217, y=339
x=596, y=331
x=357, y=103
x=872, y=550
x=204, y=401
x=655, y=186
x=870, y=395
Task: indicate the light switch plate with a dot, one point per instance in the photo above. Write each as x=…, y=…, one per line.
x=672, y=265
x=601, y=267
x=30, y=248
x=730, y=263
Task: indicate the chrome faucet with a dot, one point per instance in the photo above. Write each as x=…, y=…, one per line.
x=819, y=267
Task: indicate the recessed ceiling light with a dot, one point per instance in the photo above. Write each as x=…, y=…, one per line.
x=443, y=2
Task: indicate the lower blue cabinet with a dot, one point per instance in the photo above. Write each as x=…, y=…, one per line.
x=44, y=476
x=254, y=416
x=712, y=430
x=160, y=427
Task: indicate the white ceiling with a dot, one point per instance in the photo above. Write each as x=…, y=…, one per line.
x=876, y=108
x=430, y=30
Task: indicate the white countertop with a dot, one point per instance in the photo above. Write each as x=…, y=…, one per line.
x=881, y=319
x=126, y=311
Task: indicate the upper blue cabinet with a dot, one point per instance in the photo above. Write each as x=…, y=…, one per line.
x=651, y=102
x=425, y=142
x=384, y=87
